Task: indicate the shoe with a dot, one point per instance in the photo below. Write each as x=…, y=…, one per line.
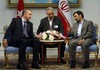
x=40, y=62
x=62, y=61
x=73, y=64
x=22, y=66
x=86, y=65
x=35, y=65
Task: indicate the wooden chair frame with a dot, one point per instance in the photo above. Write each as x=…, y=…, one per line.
x=6, y=56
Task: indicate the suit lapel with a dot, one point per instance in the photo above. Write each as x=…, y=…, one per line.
x=28, y=26
x=84, y=23
x=53, y=22
x=76, y=28
x=47, y=23
x=20, y=24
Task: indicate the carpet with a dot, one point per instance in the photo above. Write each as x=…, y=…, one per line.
x=50, y=64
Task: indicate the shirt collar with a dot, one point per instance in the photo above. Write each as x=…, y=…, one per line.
x=23, y=20
x=82, y=21
x=50, y=20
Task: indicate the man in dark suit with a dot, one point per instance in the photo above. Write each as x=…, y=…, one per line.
x=20, y=33
x=54, y=23
x=82, y=33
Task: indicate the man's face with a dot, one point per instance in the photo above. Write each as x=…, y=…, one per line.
x=50, y=14
x=77, y=17
x=28, y=15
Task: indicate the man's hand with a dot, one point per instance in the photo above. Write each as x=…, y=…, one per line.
x=39, y=35
x=81, y=42
x=69, y=29
x=5, y=43
x=61, y=36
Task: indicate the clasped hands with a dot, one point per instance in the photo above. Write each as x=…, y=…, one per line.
x=60, y=36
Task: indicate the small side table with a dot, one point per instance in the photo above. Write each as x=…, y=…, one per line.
x=48, y=42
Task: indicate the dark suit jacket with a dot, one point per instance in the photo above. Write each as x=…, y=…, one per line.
x=87, y=30
x=56, y=25
x=15, y=31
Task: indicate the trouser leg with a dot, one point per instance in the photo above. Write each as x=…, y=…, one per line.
x=85, y=49
x=62, y=49
x=72, y=48
x=36, y=45
x=22, y=51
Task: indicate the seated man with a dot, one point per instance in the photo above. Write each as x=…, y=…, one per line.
x=82, y=33
x=51, y=22
x=21, y=35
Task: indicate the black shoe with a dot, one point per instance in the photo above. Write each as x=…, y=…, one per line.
x=35, y=65
x=73, y=64
x=62, y=61
x=22, y=66
x=40, y=62
x=86, y=65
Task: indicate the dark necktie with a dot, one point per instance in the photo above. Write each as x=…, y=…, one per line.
x=25, y=29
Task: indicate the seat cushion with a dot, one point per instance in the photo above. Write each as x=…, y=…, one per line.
x=11, y=49
x=92, y=48
x=29, y=49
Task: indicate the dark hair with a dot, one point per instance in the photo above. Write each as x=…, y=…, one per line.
x=25, y=11
x=79, y=13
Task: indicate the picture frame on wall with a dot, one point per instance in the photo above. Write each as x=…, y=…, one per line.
x=42, y=3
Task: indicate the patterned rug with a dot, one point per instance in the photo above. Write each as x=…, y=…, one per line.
x=50, y=64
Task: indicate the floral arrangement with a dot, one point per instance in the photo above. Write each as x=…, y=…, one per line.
x=51, y=35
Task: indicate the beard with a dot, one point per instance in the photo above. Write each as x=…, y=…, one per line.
x=78, y=21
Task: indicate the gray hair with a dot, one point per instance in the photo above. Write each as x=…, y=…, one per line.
x=50, y=8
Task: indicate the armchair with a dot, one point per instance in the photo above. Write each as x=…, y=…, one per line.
x=10, y=50
x=93, y=49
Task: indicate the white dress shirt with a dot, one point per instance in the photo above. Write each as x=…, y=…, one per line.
x=50, y=22
x=23, y=21
x=79, y=28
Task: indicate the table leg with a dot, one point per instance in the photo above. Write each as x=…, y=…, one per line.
x=42, y=54
x=59, y=53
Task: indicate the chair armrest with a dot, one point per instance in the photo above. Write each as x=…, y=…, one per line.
x=97, y=42
x=4, y=45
